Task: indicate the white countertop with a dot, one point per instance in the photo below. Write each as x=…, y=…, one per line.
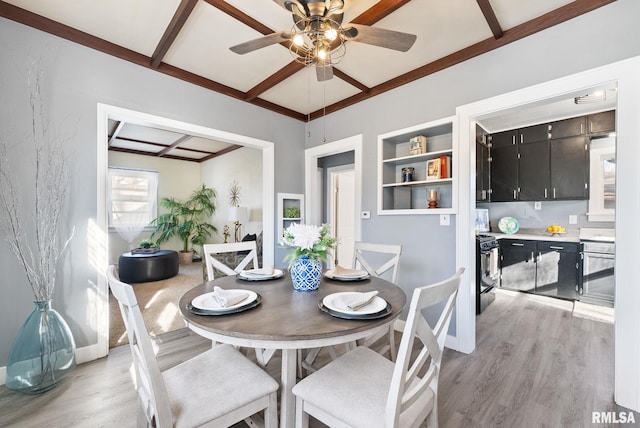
x=540, y=235
x=597, y=234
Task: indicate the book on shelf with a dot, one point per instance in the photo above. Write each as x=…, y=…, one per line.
x=445, y=166
x=418, y=145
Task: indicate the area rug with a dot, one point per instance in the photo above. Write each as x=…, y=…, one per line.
x=158, y=301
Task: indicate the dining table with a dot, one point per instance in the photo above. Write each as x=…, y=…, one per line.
x=289, y=320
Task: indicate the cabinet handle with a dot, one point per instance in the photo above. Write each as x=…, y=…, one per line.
x=554, y=193
x=513, y=139
x=590, y=127
x=521, y=138
x=581, y=129
x=514, y=194
x=517, y=244
x=553, y=247
x=545, y=193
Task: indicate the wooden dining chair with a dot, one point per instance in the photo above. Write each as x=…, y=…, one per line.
x=364, y=389
x=214, y=256
x=219, y=387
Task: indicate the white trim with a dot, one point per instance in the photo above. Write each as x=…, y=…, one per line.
x=624, y=74
x=106, y=112
x=3, y=375
x=312, y=197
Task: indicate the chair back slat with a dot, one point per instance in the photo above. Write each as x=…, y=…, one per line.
x=361, y=259
x=150, y=386
x=406, y=387
x=211, y=250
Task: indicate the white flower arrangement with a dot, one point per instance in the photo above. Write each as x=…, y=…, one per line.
x=308, y=240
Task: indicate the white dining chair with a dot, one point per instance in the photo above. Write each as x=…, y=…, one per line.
x=386, y=257
x=364, y=389
x=213, y=255
x=219, y=387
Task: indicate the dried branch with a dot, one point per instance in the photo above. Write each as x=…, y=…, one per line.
x=38, y=251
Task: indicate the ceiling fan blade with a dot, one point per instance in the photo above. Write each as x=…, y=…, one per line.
x=389, y=39
x=261, y=42
x=324, y=72
x=293, y=6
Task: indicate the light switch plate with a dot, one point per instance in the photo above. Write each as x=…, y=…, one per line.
x=365, y=214
x=537, y=205
x=445, y=219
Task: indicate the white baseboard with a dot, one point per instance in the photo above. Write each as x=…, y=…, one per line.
x=83, y=355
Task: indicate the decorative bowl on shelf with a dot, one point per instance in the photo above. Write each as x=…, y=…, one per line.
x=508, y=225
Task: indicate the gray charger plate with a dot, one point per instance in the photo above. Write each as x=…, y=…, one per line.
x=242, y=308
x=348, y=316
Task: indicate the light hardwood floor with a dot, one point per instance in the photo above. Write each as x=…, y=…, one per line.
x=535, y=365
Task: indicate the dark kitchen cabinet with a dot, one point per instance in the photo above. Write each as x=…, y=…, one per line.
x=534, y=133
x=568, y=128
x=503, y=139
x=558, y=269
x=483, y=167
x=533, y=171
x=518, y=267
x=569, y=168
x=602, y=122
x=504, y=173
x=550, y=268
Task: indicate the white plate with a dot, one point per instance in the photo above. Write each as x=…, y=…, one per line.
x=207, y=303
x=331, y=275
x=336, y=303
x=259, y=274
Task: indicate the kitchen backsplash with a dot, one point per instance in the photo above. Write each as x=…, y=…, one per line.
x=552, y=212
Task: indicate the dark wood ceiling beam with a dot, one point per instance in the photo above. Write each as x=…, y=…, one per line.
x=548, y=20
x=240, y=16
x=350, y=80
x=176, y=144
x=143, y=153
x=175, y=26
x=220, y=153
x=378, y=11
x=490, y=17
x=116, y=131
x=271, y=81
x=164, y=146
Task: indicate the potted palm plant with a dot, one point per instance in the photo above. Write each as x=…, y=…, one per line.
x=187, y=220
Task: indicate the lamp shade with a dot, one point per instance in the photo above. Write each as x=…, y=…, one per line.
x=239, y=214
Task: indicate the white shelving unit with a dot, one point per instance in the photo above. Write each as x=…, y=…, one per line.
x=285, y=201
x=410, y=197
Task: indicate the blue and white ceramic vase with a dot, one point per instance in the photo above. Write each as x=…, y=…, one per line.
x=306, y=273
x=42, y=353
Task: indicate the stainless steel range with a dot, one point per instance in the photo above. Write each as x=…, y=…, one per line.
x=487, y=270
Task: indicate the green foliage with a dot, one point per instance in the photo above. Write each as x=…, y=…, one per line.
x=186, y=220
x=146, y=243
x=292, y=212
x=311, y=241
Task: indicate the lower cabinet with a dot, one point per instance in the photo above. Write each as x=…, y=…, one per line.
x=549, y=268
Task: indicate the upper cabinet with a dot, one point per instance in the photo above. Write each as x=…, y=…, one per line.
x=548, y=161
x=416, y=172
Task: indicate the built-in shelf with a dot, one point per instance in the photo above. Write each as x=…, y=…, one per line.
x=287, y=201
x=399, y=195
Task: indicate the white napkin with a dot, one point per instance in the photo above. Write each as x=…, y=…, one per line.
x=343, y=272
x=358, y=300
x=225, y=298
x=259, y=272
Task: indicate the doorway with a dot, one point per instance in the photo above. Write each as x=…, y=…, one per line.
x=341, y=212
x=107, y=112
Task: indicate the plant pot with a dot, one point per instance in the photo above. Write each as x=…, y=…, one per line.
x=186, y=257
x=42, y=353
x=306, y=273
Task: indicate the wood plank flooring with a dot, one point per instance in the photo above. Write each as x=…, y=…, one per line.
x=535, y=365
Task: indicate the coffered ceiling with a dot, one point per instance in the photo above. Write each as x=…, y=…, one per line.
x=190, y=40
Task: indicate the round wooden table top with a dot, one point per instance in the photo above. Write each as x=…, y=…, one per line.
x=287, y=318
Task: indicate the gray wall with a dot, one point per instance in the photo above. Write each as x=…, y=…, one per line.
x=75, y=80
x=603, y=36
x=78, y=78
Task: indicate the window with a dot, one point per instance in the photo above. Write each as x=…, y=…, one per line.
x=602, y=195
x=133, y=194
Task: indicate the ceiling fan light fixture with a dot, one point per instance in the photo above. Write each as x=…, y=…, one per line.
x=298, y=40
x=331, y=34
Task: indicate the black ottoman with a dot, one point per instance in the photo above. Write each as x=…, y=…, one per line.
x=133, y=268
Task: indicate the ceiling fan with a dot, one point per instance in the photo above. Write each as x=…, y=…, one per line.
x=317, y=36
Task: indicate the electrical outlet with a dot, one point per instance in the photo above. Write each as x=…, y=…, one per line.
x=537, y=205
x=445, y=220
x=365, y=215
x=573, y=219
